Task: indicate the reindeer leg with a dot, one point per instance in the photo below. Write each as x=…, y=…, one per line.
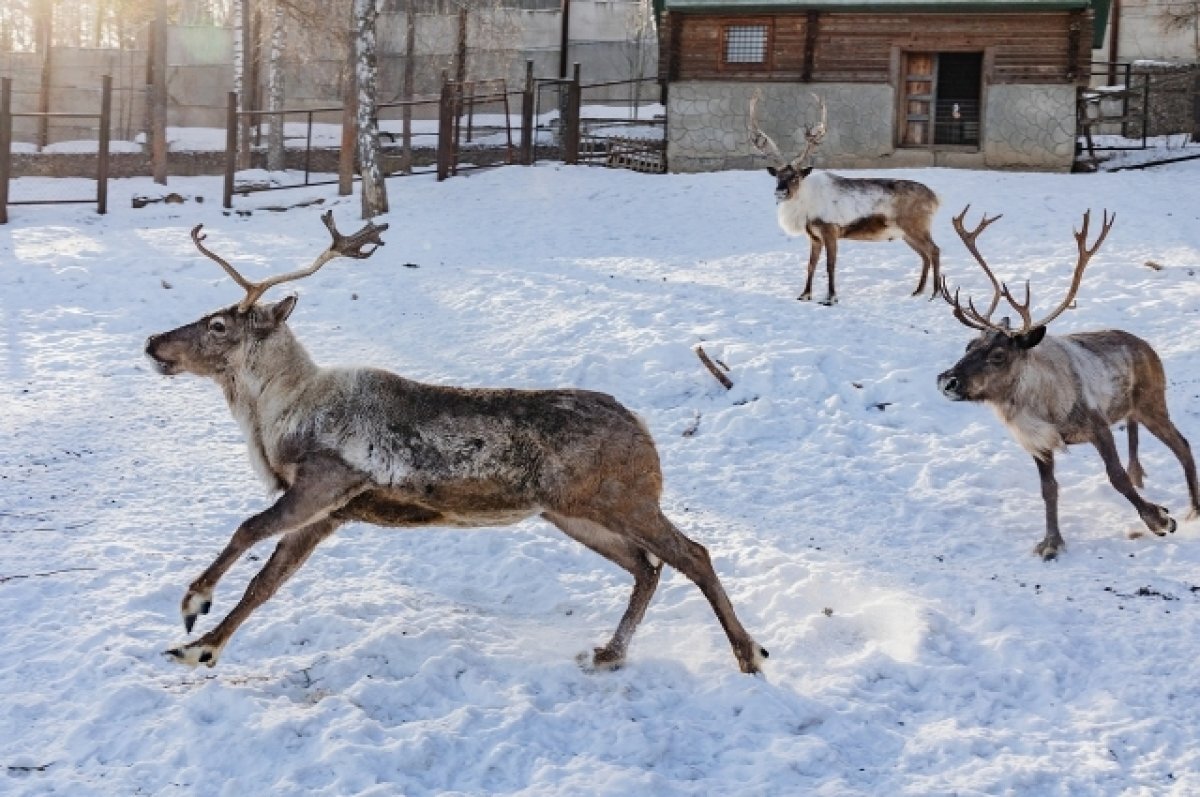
x=928, y=250
x=323, y=484
x=1161, y=427
x=290, y=553
x=1137, y=476
x=814, y=256
x=1049, y=547
x=622, y=552
x=935, y=258
x=831, y=243
x=1154, y=516
x=660, y=537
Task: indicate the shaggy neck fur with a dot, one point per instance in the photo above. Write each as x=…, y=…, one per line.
x=1059, y=385
x=260, y=386
x=807, y=203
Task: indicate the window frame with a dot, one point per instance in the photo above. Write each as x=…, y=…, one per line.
x=766, y=65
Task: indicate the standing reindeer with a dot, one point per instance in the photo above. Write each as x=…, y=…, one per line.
x=1054, y=391
x=826, y=207
x=360, y=444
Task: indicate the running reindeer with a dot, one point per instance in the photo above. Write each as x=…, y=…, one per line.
x=1054, y=391
x=826, y=207
x=360, y=444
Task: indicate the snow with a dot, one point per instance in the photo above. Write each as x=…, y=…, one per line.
x=875, y=537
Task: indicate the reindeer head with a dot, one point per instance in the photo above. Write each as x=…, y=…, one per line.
x=993, y=361
x=219, y=341
x=787, y=174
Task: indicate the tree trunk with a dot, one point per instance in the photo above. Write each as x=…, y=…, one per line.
x=242, y=73
x=374, y=191
x=158, y=118
x=406, y=89
x=275, y=90
x=44, y=36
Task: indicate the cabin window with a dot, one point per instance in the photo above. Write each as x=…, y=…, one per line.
x=746, y=45
x=941, y=99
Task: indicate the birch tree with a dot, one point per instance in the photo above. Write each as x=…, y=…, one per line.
x=241, y=72
x=406, y=89
x=640, y=49
x=275, y=88
x=374, y=190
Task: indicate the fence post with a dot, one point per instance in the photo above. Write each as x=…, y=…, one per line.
x=105, y=133
x=572, y=126
x=445, y=144
x=1196, y=105
x=5, y=144
x=527, y=98
x=231, y=142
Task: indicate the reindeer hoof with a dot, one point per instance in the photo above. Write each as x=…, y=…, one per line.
x=1048, y=550
x=1168, y=523
x=194, y=605
x=829, y=301
x=607, y=659
x=804, y=297
x=1192, y=515
x=751, y=657
x=194, y=654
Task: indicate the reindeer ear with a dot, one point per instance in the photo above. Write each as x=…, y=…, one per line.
x=1031, y=338
x=805, y=172
x=272, y=316
x=283, y=308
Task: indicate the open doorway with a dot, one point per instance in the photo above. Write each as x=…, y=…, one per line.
x=941, y=99
x=956, y=114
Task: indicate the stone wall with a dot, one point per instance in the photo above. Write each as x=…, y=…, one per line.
x=706, y=123
x=1025, y=127
x=1164, y=96
x=1029, y=127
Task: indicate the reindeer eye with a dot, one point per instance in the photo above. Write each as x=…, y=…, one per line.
x=217, y=326
x=998, y=357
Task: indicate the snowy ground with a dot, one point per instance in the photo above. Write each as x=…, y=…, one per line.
x=874, y=536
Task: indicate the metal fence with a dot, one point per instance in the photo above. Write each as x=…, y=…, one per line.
x=102, y=119
x=1128, y=104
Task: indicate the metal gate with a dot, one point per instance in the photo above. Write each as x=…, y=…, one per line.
x=103, y=124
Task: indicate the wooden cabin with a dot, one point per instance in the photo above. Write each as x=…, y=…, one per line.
x=983, y=84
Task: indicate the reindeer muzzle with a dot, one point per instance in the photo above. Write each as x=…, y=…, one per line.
x=161, y=364
x=951, y=386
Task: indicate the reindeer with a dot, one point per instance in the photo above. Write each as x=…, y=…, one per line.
x=826, y=207
x=361, y=444
x=1055, y=391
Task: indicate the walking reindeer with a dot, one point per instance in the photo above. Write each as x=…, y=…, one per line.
x=827, y=208
x=1054, y=391
x=361, y=444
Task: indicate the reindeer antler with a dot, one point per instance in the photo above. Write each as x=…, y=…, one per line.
x=971, y=317
x=813, y=135
x=1085, y=257
x=342, y=246
x=761, y=141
